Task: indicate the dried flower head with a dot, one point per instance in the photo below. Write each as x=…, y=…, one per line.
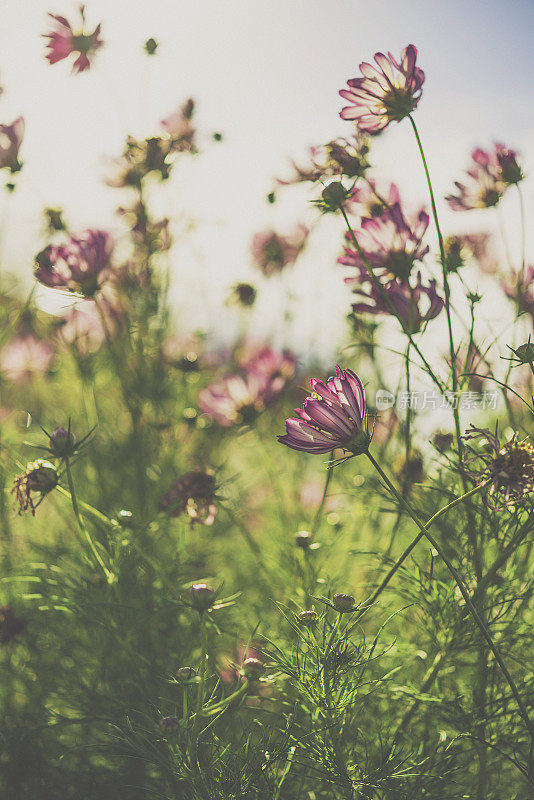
x=508, y=468
x=63, y=41
x=333, y=417
x=193, y=494
x=386, y=93
x=40, y=478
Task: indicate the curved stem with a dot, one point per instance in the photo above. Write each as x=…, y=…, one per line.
x=463, y=591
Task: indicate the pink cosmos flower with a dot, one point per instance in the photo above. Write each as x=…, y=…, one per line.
x=406, y=300
x=238, y=399
x=367, y=202
x=275, y=366
x=383, y=95
x=62, y=41
x=10, y=141
x=24, y=357
x=389, y=243
x=490, y=174
x=179, y=128
x=333, y=417
x=79, y=266
x=521, y=289
x=272, y=252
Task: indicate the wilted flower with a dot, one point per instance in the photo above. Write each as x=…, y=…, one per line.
x=490, y=173
x=334, y=416
x=179, y=128
x=11, y=626
x=398, y=298
x=521, y=289
x=63, y=41
x=389, y=243
x=79, y=266
x=194, y=495
x=272, y=252
x=383, y=95
x=40, y=477
x=367, y=202
x=201, y=596
x=25, y=357
x=10, y=141
x=509, y=468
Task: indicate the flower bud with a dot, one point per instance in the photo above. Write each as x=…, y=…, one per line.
x=202, y=596
x=334, y=196
x=343, y=602
x=303, y=539
x=186, y=673
x=307, y=618
x=525, y=353
x=253, y=668
x=169, y=724
x=61, y=443
x=151, y=46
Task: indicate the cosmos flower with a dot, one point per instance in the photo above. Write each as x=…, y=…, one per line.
x=389, y=243
x=79, y=266
x=25, y=357
x=274, y=366
x=40, y=477
x=489, y=175
x=192, y=494
x=509, y=468
x=272, y=252
x=333, y=417
x=179, y=128
x=520, y=288
x=63, y=41
x=384, y=94
x=237, y=399
x=338, y=157
x=10, y=141
x=367, y=202
x=402, y=298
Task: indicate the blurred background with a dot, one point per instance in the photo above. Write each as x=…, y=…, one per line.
x=266, y=76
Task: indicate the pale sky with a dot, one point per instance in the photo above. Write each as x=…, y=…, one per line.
x=266, y=73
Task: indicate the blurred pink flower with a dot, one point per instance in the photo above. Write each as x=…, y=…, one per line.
x=233, y=672
x=275, y=366
x=194, y=495
x=403, y=298
x=383, y=95
x=25, y=357
x=366, y=201
x=79, y=266
x=10, y=141
x=520, y=288
x=490, y=174
x=389, y=243
x=179, y=128
x=463, y=248
x=81, y=325
x=333, y=417
x=272, y=252
x=63, y=41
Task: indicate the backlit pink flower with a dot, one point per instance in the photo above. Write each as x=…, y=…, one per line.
x=389, y=243
x=520, y=288
x=412, y=305
x=10, y=141
x=237, y=399
x=489, y=175
x=63, y=41
x=275, y=366
x=333, y=417
x=272, y=252
x=384, y=94
x=79, y=266
x=24, y=357
x=368, y=202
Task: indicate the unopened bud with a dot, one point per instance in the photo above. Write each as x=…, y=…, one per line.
x=169, y=724
x=186, y=673
x=253, y=668
x=61, y=443
x=303, y=539
x=202, y=596
x=343, y=602
x=307, y=618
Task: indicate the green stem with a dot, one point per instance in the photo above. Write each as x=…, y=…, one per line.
x=465, y=594
x=81, y=525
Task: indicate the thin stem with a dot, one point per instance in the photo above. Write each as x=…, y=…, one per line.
x=523, y=229
x=319, y=511
x=463, y=591
x=81, y=524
